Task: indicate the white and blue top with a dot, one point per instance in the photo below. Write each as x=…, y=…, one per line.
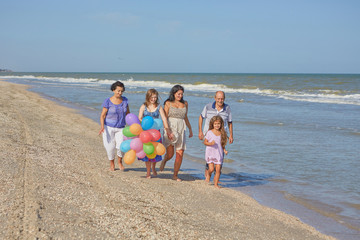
x=210, y=110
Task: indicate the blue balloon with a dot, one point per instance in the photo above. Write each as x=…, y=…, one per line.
x=159, y=124
x=125, y=145
x=147, y=123
x=155, y=126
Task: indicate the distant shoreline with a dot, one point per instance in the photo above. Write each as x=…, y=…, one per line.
x=140, y=72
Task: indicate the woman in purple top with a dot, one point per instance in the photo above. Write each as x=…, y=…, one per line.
x=112, y=122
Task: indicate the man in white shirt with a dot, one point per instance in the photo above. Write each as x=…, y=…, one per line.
x=219, y=107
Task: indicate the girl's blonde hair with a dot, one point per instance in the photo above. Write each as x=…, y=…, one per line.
x=149, y=93
x=222, y=129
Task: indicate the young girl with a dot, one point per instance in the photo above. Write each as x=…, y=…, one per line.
x=215, y=141
x=151, y=107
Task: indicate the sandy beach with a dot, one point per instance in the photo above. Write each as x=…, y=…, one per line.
x=56, y=183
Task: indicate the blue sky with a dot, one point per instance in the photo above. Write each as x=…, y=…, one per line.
x=258, y=36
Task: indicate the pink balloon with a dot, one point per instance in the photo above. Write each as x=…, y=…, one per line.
x=155, y=134
x=145, y=136
x=141, y=154
x=136, y=144
x=128, y=138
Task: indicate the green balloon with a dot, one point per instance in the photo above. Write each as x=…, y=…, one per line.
x=127, y=133
x=148, y=148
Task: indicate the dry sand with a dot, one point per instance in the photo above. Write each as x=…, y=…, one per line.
x=55, y=183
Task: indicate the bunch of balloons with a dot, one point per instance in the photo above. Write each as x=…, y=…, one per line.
x=142, y=138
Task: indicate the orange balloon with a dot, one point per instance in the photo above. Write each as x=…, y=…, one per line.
x=135, y=129
x=130, y=157
x=159, y=148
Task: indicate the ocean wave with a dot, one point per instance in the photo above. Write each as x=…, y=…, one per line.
x=353, y=99
x=55, y=79
x=317, y=95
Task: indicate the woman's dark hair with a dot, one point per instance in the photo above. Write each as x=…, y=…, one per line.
x=117, y=84
x=174, y=90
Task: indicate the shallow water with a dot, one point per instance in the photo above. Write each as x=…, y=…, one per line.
x=296, y=136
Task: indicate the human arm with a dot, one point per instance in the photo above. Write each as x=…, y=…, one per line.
x=141, y=112
x=102, y=119
x=187, y=122
x=166, y=112
x=225, y=151
x=165, y=123
x=207, y=143
x=201, y=134
x=166, y=109
x=231, y=139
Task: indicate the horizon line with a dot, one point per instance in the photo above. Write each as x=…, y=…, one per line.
x=138, y=72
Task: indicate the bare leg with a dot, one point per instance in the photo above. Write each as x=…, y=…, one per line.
x=154, y=168
x=148, y=169
x=121, y=166
x=177, y=164
x=169, y=154
x=210, y=173
x=112, y=165
x=211, y=170
x=217, y=175
x=207, y=176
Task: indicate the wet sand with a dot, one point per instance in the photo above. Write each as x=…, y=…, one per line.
x=56, y=183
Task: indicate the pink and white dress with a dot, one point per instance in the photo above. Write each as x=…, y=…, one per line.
x=215, y=153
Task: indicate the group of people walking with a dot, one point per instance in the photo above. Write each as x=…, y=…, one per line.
x=174, y=115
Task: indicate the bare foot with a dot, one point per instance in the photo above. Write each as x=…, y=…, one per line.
x=162, y=165
x=154, y=173
x=177, y=179
x=121, y=167
x=217, y=186
x=207, y=179
x=148, y=176
x=112, y=166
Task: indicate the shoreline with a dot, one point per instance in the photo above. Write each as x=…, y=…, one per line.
x=324, y=221
x=264, y=192
x=57, y=185
x=323, y=217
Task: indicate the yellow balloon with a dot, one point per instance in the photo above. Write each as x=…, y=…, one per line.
x=151, y=156
x=159, y=148
x=135, y=129
x=130, y=157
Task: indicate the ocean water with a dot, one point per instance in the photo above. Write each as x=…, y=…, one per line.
x=296, y=136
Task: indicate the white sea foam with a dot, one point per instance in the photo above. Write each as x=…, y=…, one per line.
x=353, y=99
x=319, y=96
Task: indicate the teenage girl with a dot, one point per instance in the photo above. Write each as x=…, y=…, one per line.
x=151, y=107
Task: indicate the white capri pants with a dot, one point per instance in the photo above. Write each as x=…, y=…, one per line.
x=112, y=138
